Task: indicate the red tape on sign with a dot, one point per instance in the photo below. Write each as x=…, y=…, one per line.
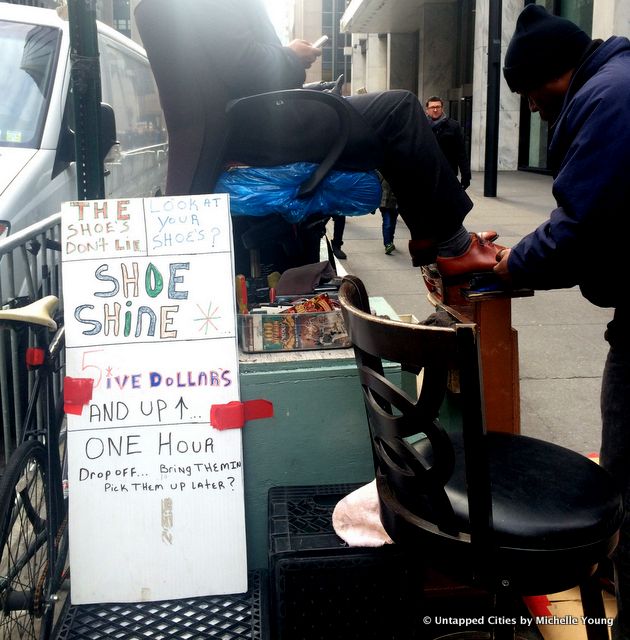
x=77, y=392
x=234, y=415
x=538, y=605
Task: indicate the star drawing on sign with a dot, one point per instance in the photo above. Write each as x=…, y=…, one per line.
x=207, y=318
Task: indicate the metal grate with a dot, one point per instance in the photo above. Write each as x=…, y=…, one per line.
x=233, y=617
x=30, y=261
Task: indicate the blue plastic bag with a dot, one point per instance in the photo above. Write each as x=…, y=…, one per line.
x=261, y=191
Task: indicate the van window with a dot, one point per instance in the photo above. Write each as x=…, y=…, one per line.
x=29, y=56
x=127, y=84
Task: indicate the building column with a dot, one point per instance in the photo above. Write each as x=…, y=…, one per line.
x=357, y=61
x=402, y=53
x=438, y=52
x=509, y=118
x=611, y=17
x=376, y=62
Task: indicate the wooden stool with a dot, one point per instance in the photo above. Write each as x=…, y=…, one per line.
x=491, y=311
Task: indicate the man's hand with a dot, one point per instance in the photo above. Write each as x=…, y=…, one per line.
x=305, y=52
x=501, y=269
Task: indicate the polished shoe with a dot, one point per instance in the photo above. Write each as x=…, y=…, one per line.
x=339, y=253
x=389, y=247
x=481, y=256
x=488, y=236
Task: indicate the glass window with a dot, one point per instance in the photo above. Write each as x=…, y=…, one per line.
x=29, y=59
x=334, y=62
x=124, y=26
x=580, y=12
x=128, y=86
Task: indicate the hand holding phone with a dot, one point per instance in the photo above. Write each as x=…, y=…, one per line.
x=320, y=42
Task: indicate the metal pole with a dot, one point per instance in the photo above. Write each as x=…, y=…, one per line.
x=86, y=91
x=493, y=102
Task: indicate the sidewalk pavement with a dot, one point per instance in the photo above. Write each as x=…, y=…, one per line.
x=561, y=335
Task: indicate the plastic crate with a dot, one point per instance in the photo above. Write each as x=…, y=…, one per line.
x=226, y=617
x=323, y=589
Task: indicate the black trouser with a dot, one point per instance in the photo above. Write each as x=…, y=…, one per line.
x=389, y=132
x=339, y=224
x=430, y=198
x=615, y=451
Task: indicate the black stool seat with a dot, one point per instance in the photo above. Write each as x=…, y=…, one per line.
x=550, y=506
x=543, y=496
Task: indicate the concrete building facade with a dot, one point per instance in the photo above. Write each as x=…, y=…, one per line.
x=440, y=47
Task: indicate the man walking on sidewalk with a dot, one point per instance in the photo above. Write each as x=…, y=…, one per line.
x=450, y=137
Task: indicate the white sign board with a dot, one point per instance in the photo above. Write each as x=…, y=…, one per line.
x=156, y=493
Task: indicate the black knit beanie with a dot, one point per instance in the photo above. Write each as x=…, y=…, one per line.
x=542, y=48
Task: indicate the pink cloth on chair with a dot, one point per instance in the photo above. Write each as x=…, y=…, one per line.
x=356, y=518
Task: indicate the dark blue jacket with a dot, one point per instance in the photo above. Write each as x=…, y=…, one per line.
x=450, y=137
x=586, y=238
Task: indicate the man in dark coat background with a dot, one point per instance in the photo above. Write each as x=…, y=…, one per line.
x=205, y=53
x=450, y=137
x=582, y=88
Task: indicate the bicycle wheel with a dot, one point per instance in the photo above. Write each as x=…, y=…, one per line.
x=25, y=586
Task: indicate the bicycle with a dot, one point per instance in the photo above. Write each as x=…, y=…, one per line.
x=33, y=504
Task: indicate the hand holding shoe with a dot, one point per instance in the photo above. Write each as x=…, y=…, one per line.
x=501, y=268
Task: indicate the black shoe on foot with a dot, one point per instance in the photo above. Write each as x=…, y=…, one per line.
x=339, y=253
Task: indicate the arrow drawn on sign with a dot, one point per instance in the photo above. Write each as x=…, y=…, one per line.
x=181, y=405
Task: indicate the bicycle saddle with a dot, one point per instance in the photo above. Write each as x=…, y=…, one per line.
x=38, y=312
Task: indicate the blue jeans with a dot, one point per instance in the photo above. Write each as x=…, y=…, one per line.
x=615, y=451
x=390, y=216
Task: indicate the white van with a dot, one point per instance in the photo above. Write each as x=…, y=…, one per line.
x=37, y=169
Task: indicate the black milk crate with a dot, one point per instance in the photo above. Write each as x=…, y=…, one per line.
x=321, y=589
x=227, y=617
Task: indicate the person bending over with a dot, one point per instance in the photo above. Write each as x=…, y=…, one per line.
x=582, y=88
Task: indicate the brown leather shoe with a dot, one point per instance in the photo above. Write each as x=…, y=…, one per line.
x=488, y=236
x=479, y=257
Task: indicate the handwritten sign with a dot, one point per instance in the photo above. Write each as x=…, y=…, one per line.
x=156, y=494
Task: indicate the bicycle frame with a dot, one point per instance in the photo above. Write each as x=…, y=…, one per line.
x=42, y=422
x=45, y=382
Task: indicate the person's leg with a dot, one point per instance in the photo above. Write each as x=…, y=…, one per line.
x=339, y=225
x=430, y=198
x=388, y=232
x=614, y=457
x=394, y=219
x=388, y=131
x=389, y=226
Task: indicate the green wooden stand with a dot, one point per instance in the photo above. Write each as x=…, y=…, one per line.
x=318, y=435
